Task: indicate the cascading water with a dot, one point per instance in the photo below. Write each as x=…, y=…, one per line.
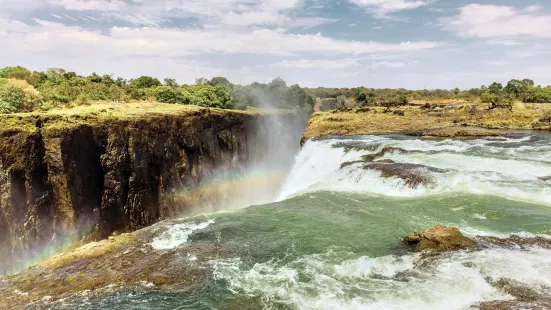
x=332, y=240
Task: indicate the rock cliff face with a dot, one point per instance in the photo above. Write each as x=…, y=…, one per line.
x=66, y=184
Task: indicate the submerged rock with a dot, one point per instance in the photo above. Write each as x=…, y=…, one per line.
x=515, y=241
x=512, y=305
x=413, y=175
x=457, y=133
x=525, y=297
x=439, y=238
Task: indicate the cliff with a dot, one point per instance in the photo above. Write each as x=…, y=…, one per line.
x=74, y=176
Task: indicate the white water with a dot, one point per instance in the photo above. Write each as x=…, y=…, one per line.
x=177, y=235
x=454, y=281
x=500, y=167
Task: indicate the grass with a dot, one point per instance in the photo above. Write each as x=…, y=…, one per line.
x=99, y=112
x=378, y=121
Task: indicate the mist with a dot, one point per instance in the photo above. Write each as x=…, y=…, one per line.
x=273, y=141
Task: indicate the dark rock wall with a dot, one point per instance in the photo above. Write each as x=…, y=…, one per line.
x=62, y=187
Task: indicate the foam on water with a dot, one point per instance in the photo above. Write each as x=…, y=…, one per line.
x=506, y=167
x=177, y=235
x=452, y=281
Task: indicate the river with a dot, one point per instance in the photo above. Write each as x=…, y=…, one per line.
x=332, y=239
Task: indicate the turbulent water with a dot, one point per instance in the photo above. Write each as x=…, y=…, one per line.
x=333, y=238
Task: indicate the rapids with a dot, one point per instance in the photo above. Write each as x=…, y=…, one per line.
x=331, y=239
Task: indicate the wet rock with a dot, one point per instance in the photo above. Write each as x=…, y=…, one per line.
x=412, y=174
x=439, y=238
x=125, y=259
x=386, y=161
x=512, y=305
x=515, y=241
x=458, y=133
x=545, y=179
x=526, y=297
x=384, y=151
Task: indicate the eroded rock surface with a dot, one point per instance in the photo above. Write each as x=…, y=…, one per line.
x=439, y=238
x=126, y=259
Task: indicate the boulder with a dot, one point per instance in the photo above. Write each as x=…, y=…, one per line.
x=439, y=238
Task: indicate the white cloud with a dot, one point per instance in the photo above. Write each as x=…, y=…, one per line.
x=175, y=42
x=392, y=64
x=89, y=5
x=505, y=42
x=494, y=21
x=317, y=63
x=382, y=7
x=498, y=62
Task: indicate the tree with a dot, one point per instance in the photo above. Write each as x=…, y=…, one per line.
x=171, y=82
x=495, y=88
x=201, y=81
x=145, y=82
x=215, y=81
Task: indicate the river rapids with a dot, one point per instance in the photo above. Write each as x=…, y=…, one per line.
x=332, y=237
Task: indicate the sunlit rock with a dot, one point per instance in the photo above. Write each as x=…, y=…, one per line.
x=439, y=238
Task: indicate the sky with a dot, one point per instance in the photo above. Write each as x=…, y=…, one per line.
x=413, y=44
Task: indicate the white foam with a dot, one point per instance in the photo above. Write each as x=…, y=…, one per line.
x=454, y=281
x=491, y=167
x=177, y=235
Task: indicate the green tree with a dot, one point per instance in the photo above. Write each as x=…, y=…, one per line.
x=495, y=88
x=215, y=81
x=145, y=82
x=170, y=82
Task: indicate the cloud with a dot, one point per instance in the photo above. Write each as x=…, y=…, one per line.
x=210, y=12
x=391, y=64
x=498, y=62
x=381, y=8
x=47, y=36
x=317, y=63
x=494, y=21
x=90, y=5
x=505, y=42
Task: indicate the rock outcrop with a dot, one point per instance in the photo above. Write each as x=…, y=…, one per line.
x=439, y=238
x=69, y=180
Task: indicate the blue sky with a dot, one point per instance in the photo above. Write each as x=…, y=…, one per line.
x=376, y=43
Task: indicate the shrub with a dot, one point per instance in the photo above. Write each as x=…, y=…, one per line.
x=82, y=100
x=17, y=98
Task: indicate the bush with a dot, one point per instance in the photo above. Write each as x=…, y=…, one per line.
x=82, y=100
x=497, y=101
x=15, y=98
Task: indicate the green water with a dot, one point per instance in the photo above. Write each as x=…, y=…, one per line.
x=334, y=239
x=337, y=227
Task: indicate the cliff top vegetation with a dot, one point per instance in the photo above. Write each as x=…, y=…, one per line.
x=23, y=90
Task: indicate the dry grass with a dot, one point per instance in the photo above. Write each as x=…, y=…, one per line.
x=376, y=121
x=98, y=112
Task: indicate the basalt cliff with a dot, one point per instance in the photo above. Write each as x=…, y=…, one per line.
x=70, y=178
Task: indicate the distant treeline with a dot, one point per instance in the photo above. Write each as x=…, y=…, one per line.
x=496, y=94
x=23, y=90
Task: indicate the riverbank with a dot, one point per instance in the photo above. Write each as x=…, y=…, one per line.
x=427, y=120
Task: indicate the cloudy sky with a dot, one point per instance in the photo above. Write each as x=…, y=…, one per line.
x=377, y=43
